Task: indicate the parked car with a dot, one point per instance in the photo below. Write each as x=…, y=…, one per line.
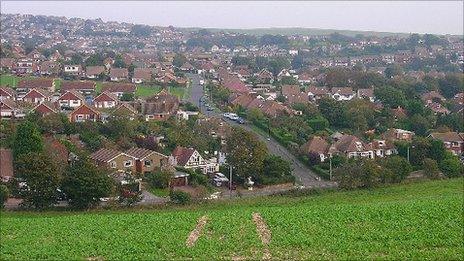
x=240, y=120
x=219, y=179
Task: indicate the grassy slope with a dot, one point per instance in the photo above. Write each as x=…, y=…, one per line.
x=422, y=220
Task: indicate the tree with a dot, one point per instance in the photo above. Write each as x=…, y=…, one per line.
x=84, y=184
x=419, y=124
x=276, y=170
x=245, y=153
x=159, y=179
x=4, y=193
x=127, y=96
x=393, y=70
x=430, y=168
x=437, y=150
x=119, y=62
x=141, y=30
x=358, y=173
x=451, y=84
x=451, y=166
x=390, y=96
x=333, y=111
x=419, y=150
x=42, y=179
x=399, y=167
x=289, y=80
x=179, y=60
x=28, y=139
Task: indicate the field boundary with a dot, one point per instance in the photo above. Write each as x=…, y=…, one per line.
x=196, y=232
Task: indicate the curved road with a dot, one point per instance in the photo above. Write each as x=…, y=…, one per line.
x=303, y=174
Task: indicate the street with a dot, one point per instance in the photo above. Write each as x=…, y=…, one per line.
x=303, y=174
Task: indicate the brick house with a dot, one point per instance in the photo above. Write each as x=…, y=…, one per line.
x=147, y=160
x=453, y=141
x=114, y=160
x=105, y=100
x=71, y=99
x=84, y=113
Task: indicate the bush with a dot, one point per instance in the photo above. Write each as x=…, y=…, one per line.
x=159, y=179
x=430, y=168
x=451, y=166
x=3, y=195
x=198, y=179
x=179, y=197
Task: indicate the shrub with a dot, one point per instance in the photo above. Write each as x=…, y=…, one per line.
x=430, y=168
x=451, y=166
x=159, y=179
x=3, y=195
x=198, y=179
x=179, y=197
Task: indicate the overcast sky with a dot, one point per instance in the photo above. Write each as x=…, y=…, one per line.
x=415, y=16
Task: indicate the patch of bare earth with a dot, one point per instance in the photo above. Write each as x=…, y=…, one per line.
x=195, y=234
x=264, y=234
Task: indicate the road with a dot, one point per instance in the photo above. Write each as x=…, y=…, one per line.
x=303, y=174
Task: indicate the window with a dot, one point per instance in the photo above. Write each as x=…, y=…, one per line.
x=128, y=163
x=147, y=163
x=75, y=101
x=113, y=164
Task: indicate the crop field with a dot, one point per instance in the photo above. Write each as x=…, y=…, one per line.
x=414, y=221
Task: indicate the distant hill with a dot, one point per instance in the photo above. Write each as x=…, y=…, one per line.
x=296, y=30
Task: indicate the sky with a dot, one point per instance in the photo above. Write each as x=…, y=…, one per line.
x=439, y=17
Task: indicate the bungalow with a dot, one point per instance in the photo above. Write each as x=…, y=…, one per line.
x=105, y=100
x=38, y=83
x=160, y=106
x=453, y=141
x=342, y=94
x=316, y=145
x=398, y=134
x=7, y=108
x=382, y=148
x=84, y=113
x=265, y=76
x=114, y=160
x=7, y=93
x=118, y=74
x=141, y=75
x=316, y=93
x=73, y=69
x=125, y=110
x=352, y=147
x=37, y=96
x=49, y=68
x=71, y=99
x=432, y=96
x=189, y=158
x=305, y=78
x=93, y=72
x=83, y=87
x=187, y=67
x=147, y=160
x=45, y=108
x=118, y=89
x=366, y=94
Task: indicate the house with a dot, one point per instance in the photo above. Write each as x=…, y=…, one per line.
x=383, y=148
x=342, y=94
x=48, y=68
x=125, y=110
x=71, y=99
x=118, y=74
x=118, y=89
x=94, y=72
x=187, y=67
x=6, y=168
x=7, y=93
x=293, y=94
x=105, y=100
x=432, y=96
x=316, y=145
x=265, y=76
x=316, y=93
x=367, y=94
x=114, y=160
x=160, y=106
x=234, y=84
x=37, y=96
x=83, y=87
x=37, y=83
x=141, y=75
x=147, y=160
x=398, y=134
x=45, y=108
x=305, y=78
x=437, y=108
x=453, y=141
x=399, y=113
x=84, y=113
x=352, y=147
x=7, y=109
x=189, y=158
x=73, y=69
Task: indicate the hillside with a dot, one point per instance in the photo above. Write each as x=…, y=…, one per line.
x=416, y=221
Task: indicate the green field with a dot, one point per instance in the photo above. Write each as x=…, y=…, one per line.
x=10, y=80
x=410, y=221
x=148, y=90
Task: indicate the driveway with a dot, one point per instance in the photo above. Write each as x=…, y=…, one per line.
x=303, y=174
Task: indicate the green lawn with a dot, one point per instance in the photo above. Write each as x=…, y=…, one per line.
x=57, y=83
x=148, y=90
x=160, y=192
x=8, y=79
x=410, y=221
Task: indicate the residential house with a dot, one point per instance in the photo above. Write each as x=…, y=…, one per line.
x=367, y=94
x=45, y=108
x=48, y=68
x=7, y=93
x=125, y=110
x=437, y=108
x=383, y=148
x=73, y=69
x=453, y=141
x=293, y=94
x=316, y=93
x=7, y=108
x=84, y=113
x=118, y=89
x=160, y=106
x=93, y=72
x=114, y=160
x=316, y=145
x=37, y=96
x=343, y=94
x=147, y=160
x=398, y=134
x=265, y=76
x=432, y=96
x=352, y=147
x=83, y=87
x=189, y=158
x=36, y=83
x=187, y=67
x=118, y=74
x=71, y=99
x=141, y=75
x=106, y=100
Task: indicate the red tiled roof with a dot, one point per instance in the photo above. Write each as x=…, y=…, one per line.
x=105, y=155
x=43, y=83
x=78, y=85
x=182, y=155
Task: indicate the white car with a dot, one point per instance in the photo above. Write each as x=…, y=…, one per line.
x=233, y=116
x=202, y=82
